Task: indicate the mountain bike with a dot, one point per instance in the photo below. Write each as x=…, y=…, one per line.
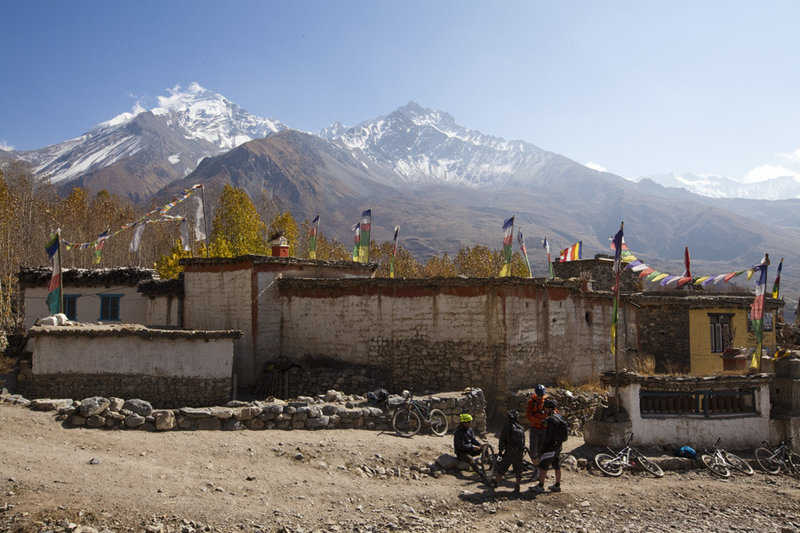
x=628, y=457
x=721, y=461
x=774, y=459
x=411, y=415
x=488, y=460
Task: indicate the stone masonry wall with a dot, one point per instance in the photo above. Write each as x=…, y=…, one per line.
x=332, y=410
x=160, y=391
x=664, y=335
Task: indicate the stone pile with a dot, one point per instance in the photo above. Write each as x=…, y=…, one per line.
x=576, y=407
x=332, y=410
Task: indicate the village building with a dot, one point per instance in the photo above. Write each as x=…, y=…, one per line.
x=323, y=319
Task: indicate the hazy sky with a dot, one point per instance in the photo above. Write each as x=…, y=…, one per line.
x=709, y=87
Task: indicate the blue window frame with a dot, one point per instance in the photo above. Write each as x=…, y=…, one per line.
x=109, y=307
x=71, y=306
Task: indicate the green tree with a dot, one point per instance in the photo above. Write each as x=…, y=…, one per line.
x=237, y=225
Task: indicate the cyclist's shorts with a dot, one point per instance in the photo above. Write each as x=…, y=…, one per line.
x=550, y=460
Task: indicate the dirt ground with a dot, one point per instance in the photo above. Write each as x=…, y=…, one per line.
x=54, y=478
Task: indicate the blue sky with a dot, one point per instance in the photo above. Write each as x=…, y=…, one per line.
x=635, y=87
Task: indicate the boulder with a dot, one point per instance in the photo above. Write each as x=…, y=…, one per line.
x=140, y=407
x=93, y=406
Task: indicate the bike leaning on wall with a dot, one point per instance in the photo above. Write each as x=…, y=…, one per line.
x=412, y=414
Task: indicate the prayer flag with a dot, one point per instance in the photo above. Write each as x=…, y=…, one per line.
x=54, y=300
x=394, y=251
x=521, y=242
x=546, y=246
x=356, y=241
x=617, y=242
x=312, y=238
x=777, y=284
x=366, y=224
x=508, y=241
x=573, y=253
x=757, y=311
x=99, y=244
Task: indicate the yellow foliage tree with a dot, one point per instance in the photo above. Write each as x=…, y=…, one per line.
x=237, y=225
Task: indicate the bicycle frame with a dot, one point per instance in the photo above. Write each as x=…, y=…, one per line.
x=623, y=456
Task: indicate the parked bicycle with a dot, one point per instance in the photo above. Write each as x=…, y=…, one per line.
x=411, y=415
x=720, y=461
x=773, y=460
x=628, y=457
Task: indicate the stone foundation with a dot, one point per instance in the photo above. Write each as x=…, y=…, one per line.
x=163, y=392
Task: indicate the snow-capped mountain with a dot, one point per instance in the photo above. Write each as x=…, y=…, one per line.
x=779, y=188
x=425, y=146
x=155, y=146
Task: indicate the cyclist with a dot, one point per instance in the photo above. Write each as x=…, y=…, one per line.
x=466, y=446
x=511, y=447
x=535, y=414
x=551, y=451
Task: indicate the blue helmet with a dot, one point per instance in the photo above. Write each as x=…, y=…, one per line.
x=539, y=390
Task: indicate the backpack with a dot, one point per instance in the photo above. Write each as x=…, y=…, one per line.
x=517, y=437
x=686, y=451
x=561, y=428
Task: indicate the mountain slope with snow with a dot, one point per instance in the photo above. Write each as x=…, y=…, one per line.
x=155, y=146
x=424, y=146
x=778, y=188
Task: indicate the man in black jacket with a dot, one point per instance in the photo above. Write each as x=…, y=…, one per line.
x=551, y=451
x=511, y=447
x=466, y=446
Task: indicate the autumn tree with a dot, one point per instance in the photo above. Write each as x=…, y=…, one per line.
x=439, y=266
x=237, y=225
x=284, y=224
x=405, y=266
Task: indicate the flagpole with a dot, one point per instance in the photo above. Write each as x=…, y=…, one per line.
x=205, y=217
x=618, y=253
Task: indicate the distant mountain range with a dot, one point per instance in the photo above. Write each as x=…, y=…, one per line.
x=446, y=186
x=778, y=188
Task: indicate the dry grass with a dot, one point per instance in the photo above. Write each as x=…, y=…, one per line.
x=594, y=386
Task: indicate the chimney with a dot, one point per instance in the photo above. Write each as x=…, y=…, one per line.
x=280, y=247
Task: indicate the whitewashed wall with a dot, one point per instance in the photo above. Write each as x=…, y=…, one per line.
x=132, y=306
x=737, y=431
x=165, y=355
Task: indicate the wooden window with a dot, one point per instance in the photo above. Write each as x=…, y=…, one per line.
x=109, y=307
x=721, y=332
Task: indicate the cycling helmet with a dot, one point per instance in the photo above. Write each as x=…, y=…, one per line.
x=539, y=390
x=464, y=417
x=513, y=415
x=550, y=403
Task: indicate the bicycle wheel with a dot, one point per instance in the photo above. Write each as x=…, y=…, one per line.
x=487, y=459
x=406, y=423
x=649, y=465
x=438, y=422
x=715, y=464
x=608, y=464
x=767, y=461
x=794, y=462
x=737, y=463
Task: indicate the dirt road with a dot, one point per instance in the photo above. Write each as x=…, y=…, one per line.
x=59, y=479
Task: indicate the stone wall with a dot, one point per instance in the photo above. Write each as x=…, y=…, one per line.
x=664, y=335
x=447, y=334
x=332, y=410
x=160, y=391
x=575, y=407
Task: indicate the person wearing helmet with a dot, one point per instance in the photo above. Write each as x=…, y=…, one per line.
x=536, y=415
x=466, y=446
x=551, y=451
x=511, y=446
